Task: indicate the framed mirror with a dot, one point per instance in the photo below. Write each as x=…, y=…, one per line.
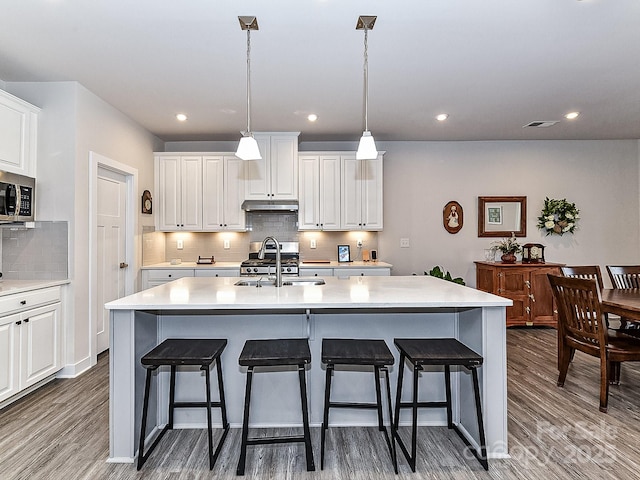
x=499, y=216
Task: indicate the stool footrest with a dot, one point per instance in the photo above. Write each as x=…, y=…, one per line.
x=424, y=404
x=272, y=440
x=352, y=405
x=196, y=404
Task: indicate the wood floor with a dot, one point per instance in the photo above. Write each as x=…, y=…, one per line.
x=61, y=433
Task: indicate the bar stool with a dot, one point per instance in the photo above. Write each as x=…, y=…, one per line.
x=175, y=352
x=269, y=353
x=437, y=351
x=359, y=352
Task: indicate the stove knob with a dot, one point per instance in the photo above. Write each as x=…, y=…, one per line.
x=288, y=269
x=255, y=269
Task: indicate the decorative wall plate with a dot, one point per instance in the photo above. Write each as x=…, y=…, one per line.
x=452, y=217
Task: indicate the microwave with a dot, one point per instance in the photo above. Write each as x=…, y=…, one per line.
x=17, y=198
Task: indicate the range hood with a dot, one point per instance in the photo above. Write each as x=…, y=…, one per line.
x=270, y=205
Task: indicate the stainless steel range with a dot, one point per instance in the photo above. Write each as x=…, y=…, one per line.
x=290, y=258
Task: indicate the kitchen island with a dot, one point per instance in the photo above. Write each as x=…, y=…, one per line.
x=356, y=307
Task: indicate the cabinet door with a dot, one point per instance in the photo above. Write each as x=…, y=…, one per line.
x=329, y=192
x=283, y=156
x=9, y=356
x=351, y=211
x=541, y=302
x=40, y=344
x=234, y=216
x=212, y=193
x=371, y=178
x=18, y=135
x=513, y=283
x=309, y=208
x=191, y=193
x=258, y=178
x=169, y=188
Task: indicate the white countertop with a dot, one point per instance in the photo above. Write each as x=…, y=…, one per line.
x=190, y=265
x=9, y=287
x=193, y=293
x=335, y=264
x=332, y=264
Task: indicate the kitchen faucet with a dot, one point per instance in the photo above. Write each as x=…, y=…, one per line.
x=278, y=258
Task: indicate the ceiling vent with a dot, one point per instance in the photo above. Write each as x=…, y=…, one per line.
x=541, y=124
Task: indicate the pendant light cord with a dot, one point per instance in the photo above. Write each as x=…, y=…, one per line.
x=248, y=81
x=366, y=81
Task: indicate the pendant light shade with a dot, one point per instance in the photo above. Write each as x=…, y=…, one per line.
x=367, y=146
x=248, y=147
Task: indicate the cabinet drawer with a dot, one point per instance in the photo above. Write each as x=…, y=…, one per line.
x=168, y=274
x=316, y=272
x=362, y=272
x=26, y=300
x=218, y=272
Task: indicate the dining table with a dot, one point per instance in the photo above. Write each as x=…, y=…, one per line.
x=622, y=302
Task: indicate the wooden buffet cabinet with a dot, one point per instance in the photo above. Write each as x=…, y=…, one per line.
x=526, y=284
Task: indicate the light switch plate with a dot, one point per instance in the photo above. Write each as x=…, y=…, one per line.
x=226, y=245
x=312, y=243
x=404, y=243
x=180, y=244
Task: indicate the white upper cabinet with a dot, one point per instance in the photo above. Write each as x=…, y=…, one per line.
x=319, y=192
x=222, y=193
x=275, y=177
x=18, y=135
x=179, y=192
x=361, y=193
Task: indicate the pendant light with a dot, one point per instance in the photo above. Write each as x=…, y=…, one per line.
x=367, y=146
x=248, y=147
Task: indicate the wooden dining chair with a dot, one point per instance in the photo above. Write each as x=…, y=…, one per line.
x=591, y=272
x=625, y=277
x=581, y=327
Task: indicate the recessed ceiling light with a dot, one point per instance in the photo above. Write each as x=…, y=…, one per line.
x=571, y=115
x=181, y=117
x=442, y=117
x=312, y=117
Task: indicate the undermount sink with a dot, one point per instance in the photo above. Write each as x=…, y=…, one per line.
x=289, y=282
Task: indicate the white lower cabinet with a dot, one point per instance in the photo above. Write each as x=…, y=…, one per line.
x=362, y=272
x=316, y=272
x=160, y=276
x=30, y=339
x=218, y=272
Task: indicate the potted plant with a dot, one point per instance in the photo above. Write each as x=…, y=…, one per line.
x=509, y=247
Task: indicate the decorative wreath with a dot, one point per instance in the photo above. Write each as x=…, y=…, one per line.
x=558, y=217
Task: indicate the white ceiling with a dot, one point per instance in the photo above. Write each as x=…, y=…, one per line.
x=493, y=65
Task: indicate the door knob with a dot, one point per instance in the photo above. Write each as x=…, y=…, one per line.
x=123, y=265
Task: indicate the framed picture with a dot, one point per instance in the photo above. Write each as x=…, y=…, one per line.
x=452, y=217
x=494, y=215
x=344, y=253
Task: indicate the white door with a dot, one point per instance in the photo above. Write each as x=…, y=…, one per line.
x=111, y=248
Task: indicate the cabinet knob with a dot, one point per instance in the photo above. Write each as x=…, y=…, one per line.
x=169, y=275
x=23, y=302
x=533, y=299
x=18, y=322
x=26, y=320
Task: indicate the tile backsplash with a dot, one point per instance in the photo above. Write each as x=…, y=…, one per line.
x=283, y=226
x=39, y=253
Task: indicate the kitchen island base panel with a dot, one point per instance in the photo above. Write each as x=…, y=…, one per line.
x=135, y=332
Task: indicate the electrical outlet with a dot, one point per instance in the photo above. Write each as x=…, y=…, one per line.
x=312, y=243
x=180, y=244
x=227, y=246
x=404, y=243
x=359, y=243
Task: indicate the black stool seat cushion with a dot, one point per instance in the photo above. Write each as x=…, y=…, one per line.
x=185, y=351
x=351, y=351
x=281, y=351
x=437, y=351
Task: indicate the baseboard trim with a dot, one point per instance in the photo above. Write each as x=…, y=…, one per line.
x=74, y=370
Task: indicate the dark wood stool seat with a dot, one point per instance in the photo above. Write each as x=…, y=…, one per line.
x=276, y=352
x=360, y=352
x=177, y=352
x=437, y=351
